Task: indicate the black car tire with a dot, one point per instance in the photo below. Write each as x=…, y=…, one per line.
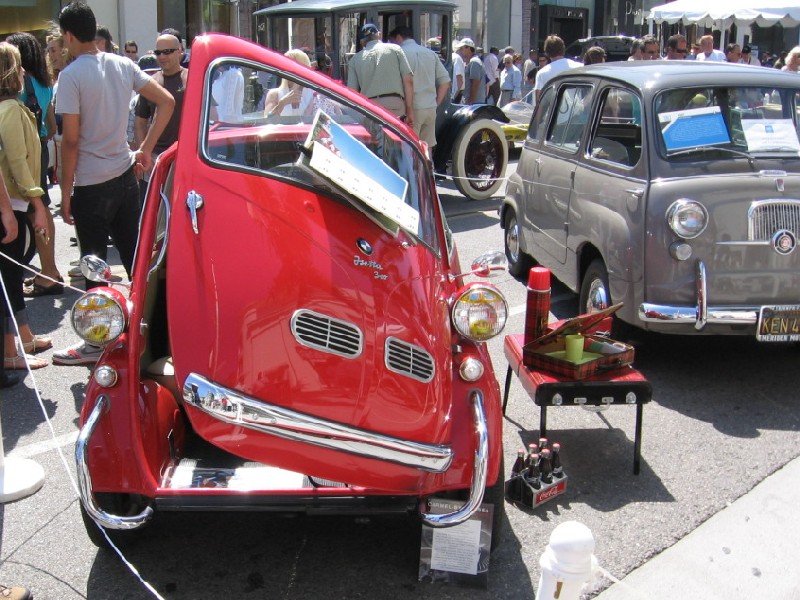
x=120, y=538
x=480, y=152
x=595, y=284
x=519, y=263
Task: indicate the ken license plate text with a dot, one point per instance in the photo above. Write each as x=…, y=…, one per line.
x=779, y=324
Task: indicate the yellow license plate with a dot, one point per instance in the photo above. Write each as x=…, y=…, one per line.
x=779, y=324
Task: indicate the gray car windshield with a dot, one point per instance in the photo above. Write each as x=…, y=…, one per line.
x=738, y=121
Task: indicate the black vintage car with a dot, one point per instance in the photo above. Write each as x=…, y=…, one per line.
x=470, y=140
x=617, y=47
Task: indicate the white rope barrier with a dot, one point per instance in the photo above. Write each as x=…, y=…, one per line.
x=73, y=483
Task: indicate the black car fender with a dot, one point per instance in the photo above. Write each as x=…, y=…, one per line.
x=449, y=126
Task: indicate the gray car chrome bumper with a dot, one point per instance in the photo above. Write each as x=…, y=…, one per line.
x=700, y=314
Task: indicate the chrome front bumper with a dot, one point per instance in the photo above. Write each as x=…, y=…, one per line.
x=232, y=407
x=100, y=516
x=300, y=427
x=701, y=313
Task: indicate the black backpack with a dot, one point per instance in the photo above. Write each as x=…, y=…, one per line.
x=33, y=104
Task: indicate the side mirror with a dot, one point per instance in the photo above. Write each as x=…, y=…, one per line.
x=95, y=269
x=489, y=264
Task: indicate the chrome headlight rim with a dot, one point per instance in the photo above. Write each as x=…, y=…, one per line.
x=680, y=208
x=115, y=325
x=470, y=328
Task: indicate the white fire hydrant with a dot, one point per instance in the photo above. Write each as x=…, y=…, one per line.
x=567, y=563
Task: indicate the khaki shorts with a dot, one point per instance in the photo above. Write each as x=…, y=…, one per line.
x=425, y=125
x=394, y=104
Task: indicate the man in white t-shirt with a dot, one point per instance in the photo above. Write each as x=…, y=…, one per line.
x=99, y=191
x=457, y=88
x=707, y=52
x=554, y=49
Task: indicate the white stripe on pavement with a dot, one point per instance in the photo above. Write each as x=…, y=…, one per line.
x=30, y=450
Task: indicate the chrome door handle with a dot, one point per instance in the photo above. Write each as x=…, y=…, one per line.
x=636, y=192
x=194, y=202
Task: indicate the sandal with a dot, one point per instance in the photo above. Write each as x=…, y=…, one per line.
x=36, y=290
x=37, y=344
x=16, y=363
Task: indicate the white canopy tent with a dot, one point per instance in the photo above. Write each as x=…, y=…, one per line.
x=721, y=14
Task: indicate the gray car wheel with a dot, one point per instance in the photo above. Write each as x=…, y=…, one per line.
x=595, y=295
x=519, y=263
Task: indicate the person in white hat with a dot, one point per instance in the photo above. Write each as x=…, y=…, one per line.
x=474, y=88
x=381, y=72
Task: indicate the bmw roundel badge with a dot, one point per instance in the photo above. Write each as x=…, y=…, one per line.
x=364, y=246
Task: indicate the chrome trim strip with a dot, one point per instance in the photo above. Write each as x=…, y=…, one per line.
x=702, y=296
x=232, y=407
x=744, y=243
x=716, y=315
x=479, y=469
x=101, y=517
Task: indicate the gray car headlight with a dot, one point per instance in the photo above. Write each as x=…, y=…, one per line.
x=687, y=218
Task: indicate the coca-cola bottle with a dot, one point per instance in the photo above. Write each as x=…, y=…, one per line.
x=532, y=475
x=542, y=444
x=545, y=466
x=558, y=470
x=514, y=485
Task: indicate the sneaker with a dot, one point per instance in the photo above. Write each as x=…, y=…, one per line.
x=79, y=354
x=15, y=593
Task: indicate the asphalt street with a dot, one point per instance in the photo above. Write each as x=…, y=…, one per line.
x=723, y=418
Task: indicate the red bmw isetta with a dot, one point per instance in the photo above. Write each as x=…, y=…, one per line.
x=298, y=334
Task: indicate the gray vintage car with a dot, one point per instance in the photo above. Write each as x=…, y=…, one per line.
x=670, y=186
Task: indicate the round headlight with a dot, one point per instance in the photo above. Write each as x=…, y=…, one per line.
x=479, y=312
x=687, y=218
x=100, y=316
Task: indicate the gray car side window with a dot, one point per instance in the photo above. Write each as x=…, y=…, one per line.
x=571, y=117
x=540, y=117
x=618, y=136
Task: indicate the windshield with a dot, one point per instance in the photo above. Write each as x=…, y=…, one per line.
x=260, y=120
x=734, y=120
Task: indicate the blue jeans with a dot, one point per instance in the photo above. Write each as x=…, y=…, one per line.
x=108, y=208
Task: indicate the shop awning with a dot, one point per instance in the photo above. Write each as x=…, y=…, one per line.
x=721, y=14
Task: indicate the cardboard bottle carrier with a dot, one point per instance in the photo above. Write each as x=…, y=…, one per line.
x=599, y=353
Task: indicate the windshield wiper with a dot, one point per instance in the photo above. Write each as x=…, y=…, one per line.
x=699, y=149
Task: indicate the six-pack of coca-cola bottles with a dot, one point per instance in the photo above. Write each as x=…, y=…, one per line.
x=535, y=471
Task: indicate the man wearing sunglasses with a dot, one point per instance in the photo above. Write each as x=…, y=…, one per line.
x=677, y=48
x=173, y=77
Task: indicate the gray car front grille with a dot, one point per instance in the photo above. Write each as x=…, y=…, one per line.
x=325, y=333
x=406, y=359
x=765, y=217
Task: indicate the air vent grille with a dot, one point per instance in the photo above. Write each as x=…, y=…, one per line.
x=325, y=333
x=768, y=216
x=409, y=360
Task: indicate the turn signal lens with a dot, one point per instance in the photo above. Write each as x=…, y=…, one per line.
x=479, y=312
x=471, y=369
x=100, y=316
x=687, y=218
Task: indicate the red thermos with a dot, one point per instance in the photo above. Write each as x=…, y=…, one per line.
x=537, y=310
